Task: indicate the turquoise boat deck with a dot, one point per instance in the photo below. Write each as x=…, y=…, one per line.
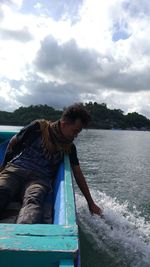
x=43, y=245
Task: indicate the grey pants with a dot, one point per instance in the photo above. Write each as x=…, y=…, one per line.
x=32, y=188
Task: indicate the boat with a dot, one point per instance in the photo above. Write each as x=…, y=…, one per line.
x=43, y=245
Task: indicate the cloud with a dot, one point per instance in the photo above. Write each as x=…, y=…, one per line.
x=66, y=61
x=17, y=3
x=8, y=96
x=64, y=52
x=136, y=9
x=60, y=9
x=88, y=68
x=1, y=14
x=50, y=93
x=22, y=35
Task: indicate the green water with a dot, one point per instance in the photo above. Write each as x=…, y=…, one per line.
x=117, y=169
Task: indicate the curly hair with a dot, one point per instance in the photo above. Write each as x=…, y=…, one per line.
x=76, y=111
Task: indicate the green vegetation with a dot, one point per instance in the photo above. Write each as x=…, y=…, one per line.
x=102, y=117
x=25, y=115
x=105, y=118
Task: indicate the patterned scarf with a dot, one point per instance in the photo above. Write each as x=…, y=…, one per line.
x=52, y=138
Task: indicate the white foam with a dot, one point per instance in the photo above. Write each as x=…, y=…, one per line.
x=122, y=234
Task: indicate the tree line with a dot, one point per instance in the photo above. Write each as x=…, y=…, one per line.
x=102, y=117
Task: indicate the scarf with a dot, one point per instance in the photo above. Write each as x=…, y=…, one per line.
x=52, y=138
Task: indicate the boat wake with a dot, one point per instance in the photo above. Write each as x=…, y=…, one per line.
x=122, y=235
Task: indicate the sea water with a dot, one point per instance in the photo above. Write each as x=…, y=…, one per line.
x=116, y=165
x=117, y=169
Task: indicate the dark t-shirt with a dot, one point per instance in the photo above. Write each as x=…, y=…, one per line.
x=28, y=135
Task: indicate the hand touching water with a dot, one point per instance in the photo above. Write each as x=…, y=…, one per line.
x=94, y=209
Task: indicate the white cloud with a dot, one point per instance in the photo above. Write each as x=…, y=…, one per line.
x=91, y=50
x=17, y=2
x=8, y=97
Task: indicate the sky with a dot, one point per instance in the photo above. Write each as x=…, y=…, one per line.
x=58, y=52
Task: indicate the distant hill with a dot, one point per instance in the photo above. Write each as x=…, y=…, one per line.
x=105, y=118
x=24, y=115
x=102, y=117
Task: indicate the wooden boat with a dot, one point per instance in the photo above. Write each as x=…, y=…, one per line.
x=43, y=245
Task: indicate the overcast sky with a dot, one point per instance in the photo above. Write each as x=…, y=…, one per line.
x=63, y=51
